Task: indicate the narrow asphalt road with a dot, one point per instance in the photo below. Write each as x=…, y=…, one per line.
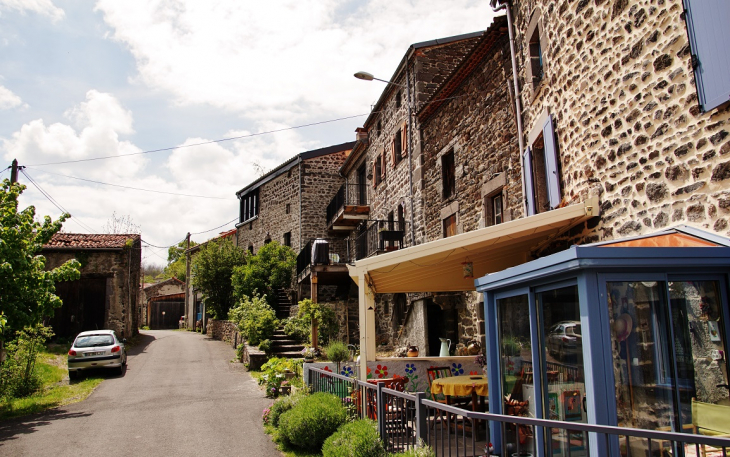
x=180, y=396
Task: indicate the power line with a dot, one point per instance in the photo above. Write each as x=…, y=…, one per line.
x=202, y=143
x=133, y=188
x=215, y=228
x=55, y=203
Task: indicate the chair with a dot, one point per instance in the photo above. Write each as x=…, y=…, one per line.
x=434, y=373
x=710, y=419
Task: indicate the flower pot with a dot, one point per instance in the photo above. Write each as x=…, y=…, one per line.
x=308, y=359
x=412, y=353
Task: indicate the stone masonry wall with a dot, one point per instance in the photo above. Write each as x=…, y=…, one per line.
x=122, y=270
x=320, y=182
x=620, y=85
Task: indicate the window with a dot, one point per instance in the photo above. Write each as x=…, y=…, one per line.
x=708, y=37
x=398, y=98
x=380, y=127
x=450, y=226
x=494, y=200
x=540, y=166
x=267, y=240
x=250, y=248
x=377, y=170
x=496, y=205
x=448, y=175
x=288, y=208
x=287, y=239
x=249, y=205
x=536, y=46
x=397, y=148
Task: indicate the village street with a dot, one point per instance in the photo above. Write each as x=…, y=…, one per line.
x=179, y=396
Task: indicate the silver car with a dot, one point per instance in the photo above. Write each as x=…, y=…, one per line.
x=96, y=349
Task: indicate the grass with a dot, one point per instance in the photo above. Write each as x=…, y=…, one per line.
x=56, y=390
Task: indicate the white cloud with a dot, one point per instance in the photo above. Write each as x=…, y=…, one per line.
x=284, y=61
x=8, y=99
x=43, y=7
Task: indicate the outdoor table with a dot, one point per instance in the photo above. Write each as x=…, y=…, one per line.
x=462, y=386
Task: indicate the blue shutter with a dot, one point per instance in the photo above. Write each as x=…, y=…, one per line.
x=708, y=26
x=527, y=176
x=551, y=163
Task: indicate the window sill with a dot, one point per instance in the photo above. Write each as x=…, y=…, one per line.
x=251, y=219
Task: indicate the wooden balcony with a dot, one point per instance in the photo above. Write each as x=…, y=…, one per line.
x=348, y=208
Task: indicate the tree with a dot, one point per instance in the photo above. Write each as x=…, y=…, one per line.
x=176, y=260
x=265, y=272
x=121, y=225
x=26, y=289
x=211, y=273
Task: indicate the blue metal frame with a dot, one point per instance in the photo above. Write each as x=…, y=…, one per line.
x=590, y=267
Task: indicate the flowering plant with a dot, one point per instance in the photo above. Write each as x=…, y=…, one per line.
x=265, y=415
x=309, y=352
x=480, y=360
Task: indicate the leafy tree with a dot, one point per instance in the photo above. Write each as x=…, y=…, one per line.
x=265, y=272
x=121, y=225
x=211, y=272
x=26, y=289
x=176, y=260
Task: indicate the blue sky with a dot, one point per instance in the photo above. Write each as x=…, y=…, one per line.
x=84, y=79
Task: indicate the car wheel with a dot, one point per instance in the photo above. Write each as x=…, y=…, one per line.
x=120, y=370
x=72, y=375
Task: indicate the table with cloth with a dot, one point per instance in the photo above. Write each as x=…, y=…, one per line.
x=462, y=386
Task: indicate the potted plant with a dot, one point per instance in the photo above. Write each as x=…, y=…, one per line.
x=309, y=353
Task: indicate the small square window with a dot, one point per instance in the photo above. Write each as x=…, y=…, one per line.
x=397, y=147
x=497, y=209
x=380, y=127
x=288, y=208
x=536, y=46
x=377, y=172
x=287, y=239
x=398, y=98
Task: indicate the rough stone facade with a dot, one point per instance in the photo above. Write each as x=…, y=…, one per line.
x=106, y=295
x=222, y=330
x=619, y=83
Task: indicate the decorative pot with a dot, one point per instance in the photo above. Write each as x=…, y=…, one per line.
x=412, y=351
x=309, y=359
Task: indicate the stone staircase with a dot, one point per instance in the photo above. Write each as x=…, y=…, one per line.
x=283, y=304
x=284, y=347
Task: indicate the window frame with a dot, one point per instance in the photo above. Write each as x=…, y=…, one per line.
x=249, y=206
x=448, y=175
x=536, y=49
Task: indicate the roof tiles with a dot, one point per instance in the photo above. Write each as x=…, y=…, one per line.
x=89, y=241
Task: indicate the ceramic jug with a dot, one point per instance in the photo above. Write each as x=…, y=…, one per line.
x=445, y=348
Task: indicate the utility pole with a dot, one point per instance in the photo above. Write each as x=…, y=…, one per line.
x=14, y=172
x=188, y=307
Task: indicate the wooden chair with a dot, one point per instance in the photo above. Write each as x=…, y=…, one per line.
x=710, y=419
x=434, y=373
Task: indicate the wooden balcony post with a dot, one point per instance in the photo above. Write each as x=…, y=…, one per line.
x=315, y=299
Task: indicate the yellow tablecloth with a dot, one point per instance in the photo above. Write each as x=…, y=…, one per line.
x=460, y=386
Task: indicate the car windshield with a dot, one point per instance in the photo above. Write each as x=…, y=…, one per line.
x=574, y=330
x=90, y=341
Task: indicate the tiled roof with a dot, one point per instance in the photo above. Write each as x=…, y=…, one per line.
x=89, y=241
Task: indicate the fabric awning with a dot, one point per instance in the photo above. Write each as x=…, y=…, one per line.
x=438, y=266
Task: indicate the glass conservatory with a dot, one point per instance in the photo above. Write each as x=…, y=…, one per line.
x=630, y=333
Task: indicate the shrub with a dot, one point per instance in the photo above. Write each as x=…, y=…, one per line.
x=359, y=439
x=422, y=450
x=255, y=319
x=298, y=328
x=266, y=346
x=326, y=318
x=18, y=374
x=282, y=405
x=337, y=352
x=272, y=374
x=312, y=421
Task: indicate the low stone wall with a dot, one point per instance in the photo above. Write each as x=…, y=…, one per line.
x=222, y=330
x=252, y=357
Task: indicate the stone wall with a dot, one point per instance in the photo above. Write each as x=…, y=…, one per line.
x=320, y=182
x=121, y=269
x=168, y=287
x=620, y=85
x=222, y=330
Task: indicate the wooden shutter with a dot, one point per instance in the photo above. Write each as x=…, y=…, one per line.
x=392, y=150
x=527, y=176
x=709, y=34
x=375, y=173
x=552, y=177
x=404, y=139
x=382, y=165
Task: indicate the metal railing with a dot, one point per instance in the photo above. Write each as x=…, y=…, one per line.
x=338, y=252
x=347, y=195
x=380, y=236
x=404, y=417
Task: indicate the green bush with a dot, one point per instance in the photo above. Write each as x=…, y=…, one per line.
x=312, y=421
x=266, y=346
x=298, y=328
x=19, y=376
x=326, y=319
x=272, y=374
x=421, y=451
x=256, y=320
x=337, y=352
x=282, y=405
x=355, y=439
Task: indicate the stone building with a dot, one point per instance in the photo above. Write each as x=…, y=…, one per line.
x=166, y=296
x=105, y=297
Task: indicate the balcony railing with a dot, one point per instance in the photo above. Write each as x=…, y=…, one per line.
x=332, y=251
x=380, y=236
x=404, y=418
x=349, y=195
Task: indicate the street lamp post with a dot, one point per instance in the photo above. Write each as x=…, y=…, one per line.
x=365, y=76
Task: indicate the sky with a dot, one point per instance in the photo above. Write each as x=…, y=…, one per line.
x=122, y=109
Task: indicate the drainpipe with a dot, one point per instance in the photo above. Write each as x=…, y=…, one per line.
x=410, y=150
x=518, y=109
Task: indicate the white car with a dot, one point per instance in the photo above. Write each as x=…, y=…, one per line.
x=96, y=349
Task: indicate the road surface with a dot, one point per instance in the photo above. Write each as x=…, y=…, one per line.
x=180, y=396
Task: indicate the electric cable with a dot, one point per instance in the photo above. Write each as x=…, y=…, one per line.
x=250, y=135
x=223, y=225
x=132, y=188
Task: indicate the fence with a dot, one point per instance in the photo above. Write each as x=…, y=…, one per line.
x=403, y=418
x=380, y=236
x=347, y=195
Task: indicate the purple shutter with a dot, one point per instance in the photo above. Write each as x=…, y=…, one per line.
x=527, y=176
x=551, y=163
x=708, y=27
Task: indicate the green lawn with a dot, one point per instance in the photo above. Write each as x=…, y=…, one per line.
x=56, y=389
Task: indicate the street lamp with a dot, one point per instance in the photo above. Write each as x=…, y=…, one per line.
x=365, y=76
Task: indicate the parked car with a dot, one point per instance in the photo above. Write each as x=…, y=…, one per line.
x=96, y=349
x=565, y=339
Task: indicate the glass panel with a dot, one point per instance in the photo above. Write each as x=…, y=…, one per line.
x=641, y=359
x=516, y=360
x=701, y=372
x=562, y=354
